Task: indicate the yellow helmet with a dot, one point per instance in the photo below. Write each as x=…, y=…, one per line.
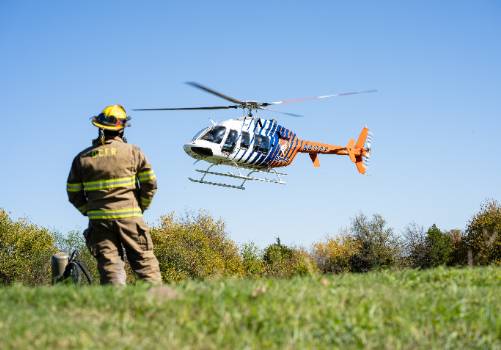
x=112, y=117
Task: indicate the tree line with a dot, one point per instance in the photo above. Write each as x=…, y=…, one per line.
x=198, y=246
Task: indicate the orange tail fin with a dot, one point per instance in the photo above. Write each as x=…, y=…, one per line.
x=359, y=152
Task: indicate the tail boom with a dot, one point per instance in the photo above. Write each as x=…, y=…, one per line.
x=358, y=151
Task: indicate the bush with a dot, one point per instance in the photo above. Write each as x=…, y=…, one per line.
x=25, y=252
x=379, y=248
x=459, y=254
x=433, y=248
x=439, y=247
x=195, y=247
x=252, y=260
x=282, y=261
x=414, y=248
x=483, y=234
x=335, y=255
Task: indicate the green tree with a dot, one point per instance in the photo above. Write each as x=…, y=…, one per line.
x=336, y=253
x=196, y=246
x=25, y=252
x=439, y=247
x=283, y=261
x=252, y=260
x=483, y=234
x=415, y=248
x=379, y=247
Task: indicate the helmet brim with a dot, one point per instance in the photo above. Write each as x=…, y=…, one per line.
x=107, y=127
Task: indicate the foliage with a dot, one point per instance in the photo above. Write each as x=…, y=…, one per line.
x=282, y=261
x=414, y=247
x=252, y=260
x=459, y=254
x=410, y=309
x=25, y=252
x=483, y=234
x=439, y=247
x=379, y=247
x=433, y=248
x=335, y=254
x=195, y=247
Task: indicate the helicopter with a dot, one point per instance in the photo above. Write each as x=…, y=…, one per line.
x=255, y=146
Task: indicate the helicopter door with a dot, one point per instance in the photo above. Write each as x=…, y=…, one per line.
x=231, y=141
x=245, y=141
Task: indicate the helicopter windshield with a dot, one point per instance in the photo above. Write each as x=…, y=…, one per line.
x=215, y=134
x=197, y=135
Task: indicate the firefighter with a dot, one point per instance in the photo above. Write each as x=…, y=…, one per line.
x=112, y=183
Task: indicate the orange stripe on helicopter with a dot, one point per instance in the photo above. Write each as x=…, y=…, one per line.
x=355, y=151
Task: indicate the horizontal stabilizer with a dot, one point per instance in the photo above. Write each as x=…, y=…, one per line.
x=315, y=160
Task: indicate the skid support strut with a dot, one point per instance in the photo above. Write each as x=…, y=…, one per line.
x=275, y=179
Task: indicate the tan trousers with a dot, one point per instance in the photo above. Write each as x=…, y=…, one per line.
x=107, y=240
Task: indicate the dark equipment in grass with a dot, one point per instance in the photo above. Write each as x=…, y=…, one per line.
x=70, y=269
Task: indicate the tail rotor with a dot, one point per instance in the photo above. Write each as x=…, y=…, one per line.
x=368, y=150
x=360, y=152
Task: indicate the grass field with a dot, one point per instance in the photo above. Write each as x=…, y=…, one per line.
x=441, y=308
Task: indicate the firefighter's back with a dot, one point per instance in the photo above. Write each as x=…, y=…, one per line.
x=109, y=175
x=113, y=183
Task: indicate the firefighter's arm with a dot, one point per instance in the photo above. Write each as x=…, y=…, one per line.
x=75, y=190
x=147, y=181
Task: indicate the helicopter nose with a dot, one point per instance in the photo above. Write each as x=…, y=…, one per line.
x=197, y=150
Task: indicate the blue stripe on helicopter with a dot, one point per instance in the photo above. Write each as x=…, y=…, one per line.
x=275, y=147
x=249, y=150
x=283, y=133
x=276, y=150
x=255, y=154
x=264, y=159
x=267, y=131
x=242, y=151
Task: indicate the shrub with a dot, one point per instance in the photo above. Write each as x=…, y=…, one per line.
x=25, y=252
x=379, y=247
x=335, y=254
x=283, y=261
x=433, y=248
x=483, y=234
x=459, y=254
x=195, y=247
x=252, y=260
x=414, y=247
x=439, y=247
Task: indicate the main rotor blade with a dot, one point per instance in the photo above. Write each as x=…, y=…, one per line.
x=302, y=99
x=214, y=92
x=186, y=108
x=285, y=113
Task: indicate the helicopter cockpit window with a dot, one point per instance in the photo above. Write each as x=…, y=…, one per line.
x=198, y=134
x=245, y=141
x=262, y=143
x=231, y=141
x=215, y=134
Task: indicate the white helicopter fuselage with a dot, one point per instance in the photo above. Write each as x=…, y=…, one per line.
x=245, y=142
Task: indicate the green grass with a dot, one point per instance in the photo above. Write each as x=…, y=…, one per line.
x=440, y=308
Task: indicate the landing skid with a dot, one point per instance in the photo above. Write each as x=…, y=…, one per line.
x=241, y=176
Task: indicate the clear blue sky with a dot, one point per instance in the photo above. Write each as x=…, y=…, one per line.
x=436, y=118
